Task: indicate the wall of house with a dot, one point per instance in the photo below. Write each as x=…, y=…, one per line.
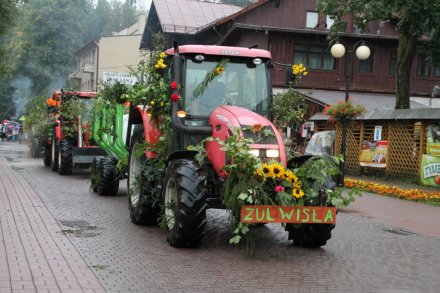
x=117, y=53
x=280, y=25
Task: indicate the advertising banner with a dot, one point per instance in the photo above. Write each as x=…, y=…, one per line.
x=113, y=77
x=433, y=140
x=430, y=171
x=374, y=154
x=430, y=165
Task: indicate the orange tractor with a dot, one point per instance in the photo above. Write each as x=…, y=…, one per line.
x=71, y=141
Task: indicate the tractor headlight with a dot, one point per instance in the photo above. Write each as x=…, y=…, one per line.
x=255, y=152
x=272, y=153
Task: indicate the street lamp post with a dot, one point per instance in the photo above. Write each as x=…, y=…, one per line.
x=362, y=53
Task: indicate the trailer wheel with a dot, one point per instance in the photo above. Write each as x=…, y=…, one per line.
x=54, y=154
x=65, y=159
x=310, y=235
x=47, y=155
x=184, y=203
x=108, y=177
x=143, y=198
x=95, y=178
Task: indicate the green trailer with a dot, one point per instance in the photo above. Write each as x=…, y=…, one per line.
x=108, y=132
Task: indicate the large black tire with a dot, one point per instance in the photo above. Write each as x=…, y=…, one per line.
x=184, y=203
x=54, y=154
x=309, y=235
x=47, y=155
x=65, y=158
x=143, y=195
x=109, y=179
x=95, y=175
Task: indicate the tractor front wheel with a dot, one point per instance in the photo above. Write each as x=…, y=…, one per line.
x=109, y=179
x=309, y=235
x=143, y=198
x=65, y=159
x=184, y=203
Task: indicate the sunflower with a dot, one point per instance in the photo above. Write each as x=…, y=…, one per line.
x=297, y=193
x=277, y=170
x=293, y=179
x=267, y=170
x=219, y=70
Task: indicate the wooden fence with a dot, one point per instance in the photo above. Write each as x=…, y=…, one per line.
x=406, y=140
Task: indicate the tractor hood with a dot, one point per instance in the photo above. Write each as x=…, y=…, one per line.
x=266, y=137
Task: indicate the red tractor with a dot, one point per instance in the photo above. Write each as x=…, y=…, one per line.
x=239, y=97
x=71, y=143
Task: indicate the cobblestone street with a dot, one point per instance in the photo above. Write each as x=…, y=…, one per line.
x=58, y=236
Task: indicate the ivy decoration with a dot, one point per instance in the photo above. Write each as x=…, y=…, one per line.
x=216, y=71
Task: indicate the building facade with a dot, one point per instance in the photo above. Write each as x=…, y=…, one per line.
x=108, y=59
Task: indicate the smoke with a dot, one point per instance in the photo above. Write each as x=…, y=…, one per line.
x=22, y=90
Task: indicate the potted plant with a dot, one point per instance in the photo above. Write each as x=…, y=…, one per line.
x=344, y=111
x=290, y=107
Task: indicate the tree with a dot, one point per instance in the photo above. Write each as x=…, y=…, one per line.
x=8, y=11
x=47, y=35
x=413, y=20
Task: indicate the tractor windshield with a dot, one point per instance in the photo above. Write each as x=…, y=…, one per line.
x=235, y=81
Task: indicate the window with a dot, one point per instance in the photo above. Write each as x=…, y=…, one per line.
x=314, y=57
x=423, y=67
x=329, y=22
x=393, y=62
x=312, y=19
x=366, y=66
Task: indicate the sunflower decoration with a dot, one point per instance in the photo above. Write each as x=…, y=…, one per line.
x=160, y=61
x=280, y=176
x=277, y=170
x=209, y=77
x=219, y=70
x=297, y=193
x=266, y=170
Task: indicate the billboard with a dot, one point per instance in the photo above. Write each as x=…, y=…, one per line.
x=374, y=154
x=430, y=164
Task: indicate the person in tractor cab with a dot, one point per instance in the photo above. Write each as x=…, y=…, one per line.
x=54, y=102
x=212, y=97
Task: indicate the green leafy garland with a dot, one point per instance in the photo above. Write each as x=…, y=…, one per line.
x=216, y=71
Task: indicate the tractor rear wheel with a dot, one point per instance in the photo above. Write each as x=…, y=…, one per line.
x=109, y=179
x=65, y=158
x=95, y=176
x=54, y=154
x=47, y=155
x=184, y=203
x=309, y=235
x=143, y=198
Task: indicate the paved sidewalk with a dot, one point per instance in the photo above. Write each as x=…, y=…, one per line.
x=35, y=255
x=411, y=216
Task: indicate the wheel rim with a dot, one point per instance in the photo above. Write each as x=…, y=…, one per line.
x=134, y=177
x=52, y=151
x=170, y=201
x=59, y=157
